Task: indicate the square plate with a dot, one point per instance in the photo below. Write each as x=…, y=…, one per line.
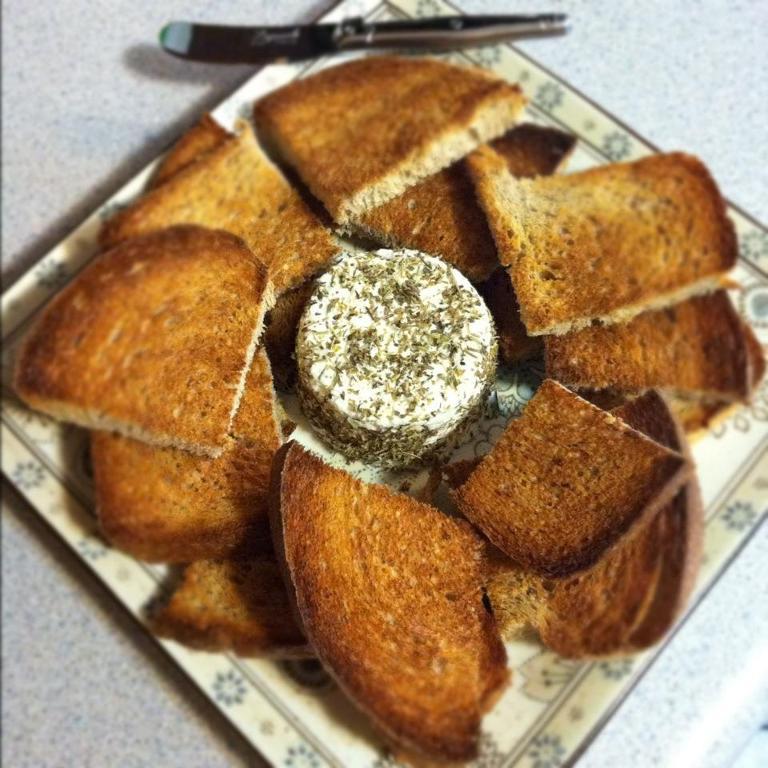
x=291, y=712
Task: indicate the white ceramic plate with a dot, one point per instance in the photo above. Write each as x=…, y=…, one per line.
x=291, y=713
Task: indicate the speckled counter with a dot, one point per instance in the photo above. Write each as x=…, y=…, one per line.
x=88, y=100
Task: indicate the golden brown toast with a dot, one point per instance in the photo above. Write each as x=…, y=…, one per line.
x=633, y=595
x=167, y=505
x=280, y=329
x=389, y=594
x=699, y=413
x=440, y=215
x=235, y=187
x=152, y=339
x=565, y=481
x=361, y=132
x=515, y=345
x=238, y=605
x=608, y=243
x=697, y=347
x=630, y=598
x=202, y=137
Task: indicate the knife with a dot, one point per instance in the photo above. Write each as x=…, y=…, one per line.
x=258, y=45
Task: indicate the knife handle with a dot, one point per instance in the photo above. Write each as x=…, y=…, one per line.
x=445, y=31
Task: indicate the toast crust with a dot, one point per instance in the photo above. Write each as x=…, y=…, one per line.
x=315, y=124
x=235, y=187
x=603, y=479
x=423, y=663
x=166, y=505
x=698, y=346
x=128, y=346
x=235, y=605
x=440, y=215
x=202, y=137
x=605, y=244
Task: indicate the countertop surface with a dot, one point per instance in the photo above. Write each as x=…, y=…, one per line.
x=87, y=101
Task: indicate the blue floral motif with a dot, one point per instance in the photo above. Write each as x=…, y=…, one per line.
x=755, y=304
x=489, y=754
x=754, y=245
x=301, y=756
x=229, y=688
x=545, y=675
x=615, y=669
x=549, y=96
x=27, y=475
x=515, y=387
x=739, y=516
x=546, y=751
x=616, y=145
x=92, y=548
x=51, y=274
x=488, y=55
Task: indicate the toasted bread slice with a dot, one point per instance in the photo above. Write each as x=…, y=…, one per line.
x=202, y=137
x=697, y=347
x=515, y=345
x=131, y=346
x=695, y=409
x=565, y=481
x=440, y=215
x=630, y=598
x=281, y=328
x=608, y=243
x=389, y=594
x=238, y=605
x=166, y=505
x=235, y=187
x=362, y=132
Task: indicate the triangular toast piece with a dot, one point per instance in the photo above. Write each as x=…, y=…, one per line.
x=565, y=481
x=238, y=605
x=235, y=187
x=440, y=215
x=166, y=505
x=361, y=132
x=678, y=529
x=697, y=414
x=153, y=339
x=202, y=137
x=694, y=408
x=389, y=594
x=697, y=347
x=608, y=243
x=630, y=598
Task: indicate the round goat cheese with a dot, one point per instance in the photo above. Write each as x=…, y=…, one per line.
x=396, y=351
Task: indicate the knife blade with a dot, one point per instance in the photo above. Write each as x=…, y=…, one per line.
x=220, y=44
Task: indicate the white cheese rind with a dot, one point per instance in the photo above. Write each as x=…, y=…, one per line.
x=395, y=349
